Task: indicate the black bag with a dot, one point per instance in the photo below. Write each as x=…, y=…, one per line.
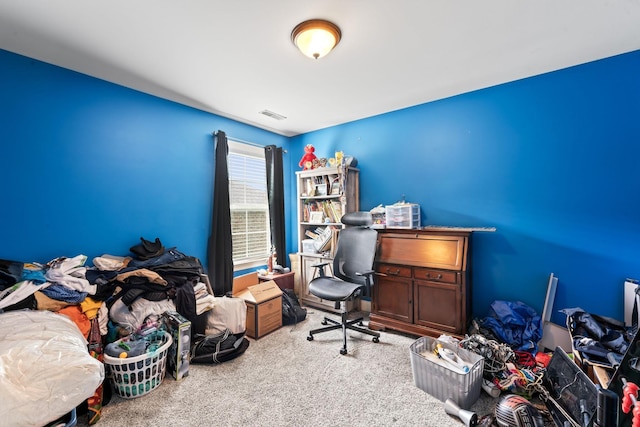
x=600, y=340
x=291, y=311
x=218, y=348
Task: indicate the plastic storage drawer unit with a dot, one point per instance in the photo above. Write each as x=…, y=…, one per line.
x=405, y=215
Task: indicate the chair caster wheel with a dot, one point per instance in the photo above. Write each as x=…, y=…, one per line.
x=343, y=351
x=375, y=339
x=324, y=322
x=310, y=338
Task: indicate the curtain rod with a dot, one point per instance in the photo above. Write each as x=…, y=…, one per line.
x=253, y=144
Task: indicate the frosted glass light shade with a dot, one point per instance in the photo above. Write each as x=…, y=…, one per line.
x=316, y=38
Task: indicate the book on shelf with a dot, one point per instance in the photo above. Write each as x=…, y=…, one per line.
x=324, y=206
x=334, y=187
x=309, y=188
x=336, y=209
x=331, y=209
x=312, y=212
x=323, y=242
x=319, y=210
x=310, y=234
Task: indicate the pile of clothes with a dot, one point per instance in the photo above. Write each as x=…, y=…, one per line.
x=123, y=290
x=117, y=297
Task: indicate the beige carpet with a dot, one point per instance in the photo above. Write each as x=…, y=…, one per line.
x=285, y=380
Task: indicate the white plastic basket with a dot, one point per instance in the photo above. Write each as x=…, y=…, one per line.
x=136, y=376
x=442, y=382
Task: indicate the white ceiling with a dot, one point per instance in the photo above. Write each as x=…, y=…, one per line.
x=236, y=58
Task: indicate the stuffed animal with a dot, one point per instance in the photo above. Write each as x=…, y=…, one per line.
x=306, y=161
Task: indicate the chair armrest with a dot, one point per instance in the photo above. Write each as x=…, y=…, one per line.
x=368, y=275
x=322, y=264
x=321, y=267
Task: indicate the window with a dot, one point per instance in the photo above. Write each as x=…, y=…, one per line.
x=249, y=205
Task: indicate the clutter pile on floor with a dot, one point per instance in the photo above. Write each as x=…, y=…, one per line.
x=532, y=387
x=154, y=305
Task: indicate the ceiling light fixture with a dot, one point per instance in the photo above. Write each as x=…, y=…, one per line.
x=316, y=37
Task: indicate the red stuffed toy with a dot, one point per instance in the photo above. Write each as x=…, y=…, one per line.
x=306, y=161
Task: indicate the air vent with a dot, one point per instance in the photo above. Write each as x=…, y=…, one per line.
x=273, y=115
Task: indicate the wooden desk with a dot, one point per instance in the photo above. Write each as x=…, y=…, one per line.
x=283, y=280
x=423, y=283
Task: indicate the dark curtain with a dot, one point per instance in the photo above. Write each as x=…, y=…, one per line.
x=275, y=191
x=219, y=249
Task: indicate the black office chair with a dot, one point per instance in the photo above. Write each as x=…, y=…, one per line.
x=352, y=274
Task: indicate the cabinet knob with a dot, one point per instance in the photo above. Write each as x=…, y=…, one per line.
x=437, y=276
x=394, y=272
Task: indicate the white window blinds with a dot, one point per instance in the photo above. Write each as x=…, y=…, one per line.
x=249, y=205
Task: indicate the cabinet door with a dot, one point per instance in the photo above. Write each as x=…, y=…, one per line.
x=393, y=298
x=438, y=305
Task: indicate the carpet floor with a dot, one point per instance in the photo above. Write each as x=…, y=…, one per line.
x=284, y=380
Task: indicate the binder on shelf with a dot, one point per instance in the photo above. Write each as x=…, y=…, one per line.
x=323, y=242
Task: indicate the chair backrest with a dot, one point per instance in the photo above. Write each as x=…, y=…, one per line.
x=356, y=247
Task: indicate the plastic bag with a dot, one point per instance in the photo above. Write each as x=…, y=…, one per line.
x=45, y=367
x=515, y=324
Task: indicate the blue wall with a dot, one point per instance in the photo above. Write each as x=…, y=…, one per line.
x=89, y=167
x=551, y=161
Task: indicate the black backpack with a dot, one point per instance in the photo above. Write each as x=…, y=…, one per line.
x=291, y=311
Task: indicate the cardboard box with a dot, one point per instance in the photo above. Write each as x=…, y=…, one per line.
x=179, y=353
x=264, y=304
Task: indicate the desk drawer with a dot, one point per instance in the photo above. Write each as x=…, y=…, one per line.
x=394, y=270
x=436, y=275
